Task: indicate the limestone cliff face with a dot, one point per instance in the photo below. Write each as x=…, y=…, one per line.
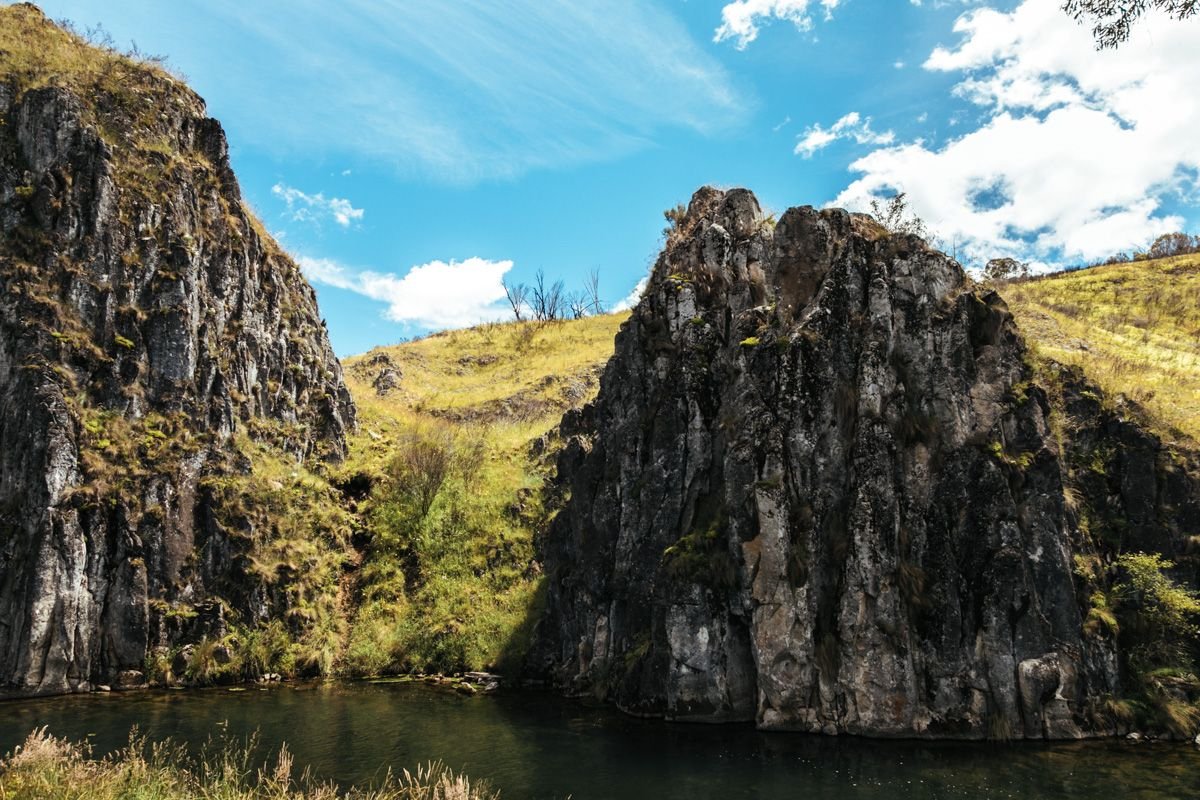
x=145, y=322
x=818, y=491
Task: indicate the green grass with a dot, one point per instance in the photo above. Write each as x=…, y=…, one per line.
x=1133, y=328
x=49, y=768
x=449, y=580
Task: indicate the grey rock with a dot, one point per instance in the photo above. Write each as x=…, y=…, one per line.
x=150, y=297
x=387, y=380
x=131, y=679
x=808, y=495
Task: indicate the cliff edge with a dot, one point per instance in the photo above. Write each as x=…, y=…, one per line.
x=146, y=323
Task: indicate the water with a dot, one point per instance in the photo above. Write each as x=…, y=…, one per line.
x=535, y=745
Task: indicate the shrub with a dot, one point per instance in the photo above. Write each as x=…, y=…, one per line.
x=895, y=215
x=424, y=457
x=701, y=557
x=1158, y=617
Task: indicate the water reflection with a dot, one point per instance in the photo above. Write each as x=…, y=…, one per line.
x=538, y=746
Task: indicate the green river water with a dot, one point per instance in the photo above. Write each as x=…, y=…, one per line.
x=536, y=745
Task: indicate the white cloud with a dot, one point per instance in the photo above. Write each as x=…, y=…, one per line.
x=1078, y=150
x=439, y=294
x=742, y=19
x=316, y=207
x=630, y=300
x=851, y=126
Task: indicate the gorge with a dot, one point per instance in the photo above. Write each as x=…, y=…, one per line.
x=823, y=480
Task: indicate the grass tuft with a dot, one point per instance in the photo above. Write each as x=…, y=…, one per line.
x=49, y=768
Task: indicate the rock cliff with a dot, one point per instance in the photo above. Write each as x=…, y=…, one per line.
x=146, y=323
x=820, y=490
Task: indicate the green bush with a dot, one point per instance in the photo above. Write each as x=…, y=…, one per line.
x=1159, y=624
x=447, y=583
x=1158, y=618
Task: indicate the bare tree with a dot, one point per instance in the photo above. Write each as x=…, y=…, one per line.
x=518, y=297
x=949, y=246
x=592, y=291
x=577, y=305
x=1112, y=20
x=547, y=299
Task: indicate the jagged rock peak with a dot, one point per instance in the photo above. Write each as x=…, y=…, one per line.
x=817, y=491
x=147, y=322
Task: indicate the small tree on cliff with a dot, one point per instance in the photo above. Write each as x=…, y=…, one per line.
x=1112, y=19
x=895, y=215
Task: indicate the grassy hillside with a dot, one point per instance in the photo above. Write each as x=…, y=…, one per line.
x=448, y=579
x=1133, y=328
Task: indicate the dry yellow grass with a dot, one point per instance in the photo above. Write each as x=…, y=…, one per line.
x=1133, y=328
x=35, y=53
x=512, y=380
x=48, y=768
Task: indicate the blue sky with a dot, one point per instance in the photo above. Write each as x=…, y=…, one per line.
x=411, y=153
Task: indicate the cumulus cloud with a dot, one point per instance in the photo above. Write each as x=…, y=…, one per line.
x=742, y=19
x=1078, y=151
x=851, y=126
x=630, y=300
x=316, y=207
x=438, y=294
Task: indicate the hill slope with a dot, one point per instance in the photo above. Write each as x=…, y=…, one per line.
x=456, y=438
x=1133, y=328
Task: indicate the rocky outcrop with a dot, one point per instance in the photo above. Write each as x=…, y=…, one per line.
x=146, y=322
x=819, y=490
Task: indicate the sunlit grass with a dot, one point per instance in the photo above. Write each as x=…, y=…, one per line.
x=48, y=768
x=455, y=585
x=1133, y=328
